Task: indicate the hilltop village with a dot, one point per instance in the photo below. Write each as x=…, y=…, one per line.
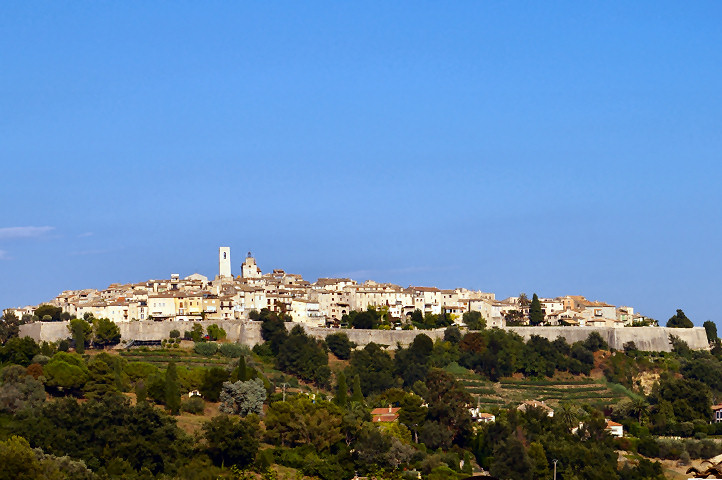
x=323, y=303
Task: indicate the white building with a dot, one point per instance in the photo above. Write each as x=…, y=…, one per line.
x=306, y=311
x=249, y=269
x=224, y=262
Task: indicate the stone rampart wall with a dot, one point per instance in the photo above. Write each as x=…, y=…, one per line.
x=249, y=333
x=645, y=338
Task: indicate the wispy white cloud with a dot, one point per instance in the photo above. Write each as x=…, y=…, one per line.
x=3, y=255
x=24, y=232
x=86, y=234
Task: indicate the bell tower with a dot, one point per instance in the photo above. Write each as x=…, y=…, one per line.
x=224, y=262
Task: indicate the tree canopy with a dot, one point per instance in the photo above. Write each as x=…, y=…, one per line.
x=679, y=320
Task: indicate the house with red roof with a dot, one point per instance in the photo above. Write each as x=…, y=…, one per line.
x=615, y=429
x=385, y=414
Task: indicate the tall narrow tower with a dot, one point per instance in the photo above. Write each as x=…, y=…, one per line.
x=224, y=262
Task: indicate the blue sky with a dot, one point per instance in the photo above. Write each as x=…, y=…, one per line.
x=549, y=147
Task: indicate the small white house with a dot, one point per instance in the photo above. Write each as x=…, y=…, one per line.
x=615, y=429
x=482, y=417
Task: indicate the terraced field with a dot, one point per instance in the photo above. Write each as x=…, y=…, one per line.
x=511, y=392
x=161, y=357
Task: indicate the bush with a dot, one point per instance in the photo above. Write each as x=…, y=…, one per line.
x=174, y=334
x=263, y=350
x=41, y=359
x=207, y=349
x=194, y=405
x=215, y=332
x=264, y=460
x=63, y=346
x=648, y=447
x=231, y=350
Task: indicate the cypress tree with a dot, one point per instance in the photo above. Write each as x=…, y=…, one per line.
x=172, y=392
x=141, y=392
x=242, y=370
x=341, y=391
x=536, y=316
x=356, y=393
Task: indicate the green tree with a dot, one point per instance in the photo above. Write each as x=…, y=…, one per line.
x=19, y=390
x=568, y=415
x=215, y=332
x=196, y=332
x=452, y=335
x=711, y=329
x=374, y=367
x=679, y=320
x=411, y=364
x=213, y=380
x=364, y=320
x=536, y=315
x=473, y=320
x=412, y=413
x=141, y=391
x=243, y=398
x=80, y=330
x=511, y=461
x=341, y=397
x=595, y=342
x=232, y=440
x=538, y=459
x=298, y=421
x=105, y=332
x=50, y=310
x=172, y=392
x=101, y=377
x=19, y=351
x=639, y=408
x=18, y=460
x=357, y=394
x=304, y=356
x=9, y=327
x=99, y=432
x=448, y=400
x=340, y=345
x=66, y=372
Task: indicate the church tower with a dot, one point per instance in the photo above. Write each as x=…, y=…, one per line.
x=249, y=268
x=224, y=262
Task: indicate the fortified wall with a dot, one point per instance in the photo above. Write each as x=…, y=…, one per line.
x=249, y=333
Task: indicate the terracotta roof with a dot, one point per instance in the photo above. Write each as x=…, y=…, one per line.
x=384, y=410
x=717, y=407
x=611, y=423
x=533, y=403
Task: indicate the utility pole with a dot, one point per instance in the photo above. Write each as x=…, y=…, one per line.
x=555, y=468
x=284, y=390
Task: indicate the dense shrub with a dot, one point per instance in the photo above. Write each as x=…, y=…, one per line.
x=207, y=349
x=194, y=405
x=231, y=350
